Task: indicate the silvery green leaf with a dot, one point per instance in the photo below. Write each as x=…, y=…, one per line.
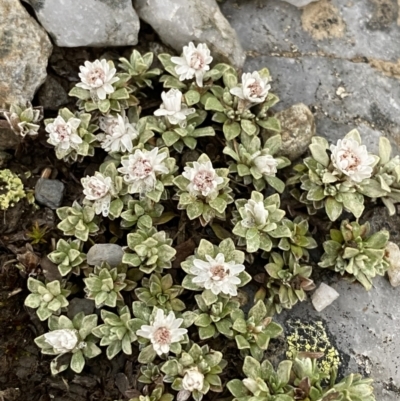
x=251, y=368
x=354, y=134
x=333, y=208
x=77, y=362
x=192, y=97
x=270, y=124
x=275, y=183
x=237, y=389
x=207, y=332
x=319, y=154
x=385, y=150
x=147, y=355
x=231, y=129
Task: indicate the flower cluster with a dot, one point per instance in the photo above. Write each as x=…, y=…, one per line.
x=192, y=190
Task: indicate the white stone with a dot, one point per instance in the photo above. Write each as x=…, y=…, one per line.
x=110, y=253
x=393, y=256
x=179, y=22
x=323, y=297
x=299, y=3
x=74, y=23
x=24, y=52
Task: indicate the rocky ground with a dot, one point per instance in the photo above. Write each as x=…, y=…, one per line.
x=338, y=57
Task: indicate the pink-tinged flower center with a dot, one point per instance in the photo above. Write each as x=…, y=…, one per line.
x=62, y=132
x=255, y=89
x=96, y=77
x=218, y=272
x=203, y=180
x=142, y=168
x=351, y=159
x=98, y=188
x=162, y=336
x=197, y=61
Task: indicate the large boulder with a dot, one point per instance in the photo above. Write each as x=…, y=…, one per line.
x=24, y=52
x=179, y=22
x=96, y=23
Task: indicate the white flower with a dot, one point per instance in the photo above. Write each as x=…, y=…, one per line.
x=352, y=159
x=256, y=214
x=254, y=88
x=266, y=164
x=217, y=275
x=193, y=380
x=63, y=134
x=97, y=189
x=64, y=340
x=173, y=108
x=119, y=134
x=97, y=77
x=194, y=62
x=203, y=179
x=163, y=331
x=141, y=169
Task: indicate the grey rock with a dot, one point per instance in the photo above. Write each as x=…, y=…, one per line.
x=24, y=52
x=179, y=22
x=110, y=253
x=310, y=69
x=50, y=269
x=379, y=219
x=77, y=305
x=49, y=193
x=299, y=3
x=323, y=296
x=363, y=326
x=8, y=138
x=52, y=95
x=298, y=127
x=96, y=23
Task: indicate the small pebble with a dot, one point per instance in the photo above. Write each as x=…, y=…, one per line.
x=299, y=3
x=49, y=193
x=323, y=297
x=393, y=256
x=110, y=253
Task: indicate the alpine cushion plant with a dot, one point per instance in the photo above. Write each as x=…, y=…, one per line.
x=215, y=319
x=147, y=172
x=116, y=332
x=255, y=164
x=204, y=192
x=254, y=332
x=195, y=372
x=152, y=250
x=216, y=269
x=48, y=298
x=72, y=337
x=24, y=119
x=104, y=285
x=296, y=380
x=72, y=135
x=258, y=222
x=351, y=250
x=160, y=291
x=285, y=282
x=193, y=239
x=333, y=182
x=77, y=220
x=68, y=256
x=158, y=333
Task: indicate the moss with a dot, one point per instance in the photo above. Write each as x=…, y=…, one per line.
x=312, y=338
x=11, y=189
